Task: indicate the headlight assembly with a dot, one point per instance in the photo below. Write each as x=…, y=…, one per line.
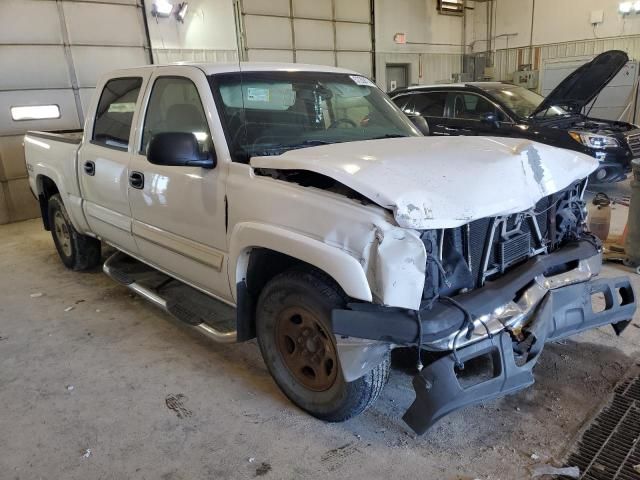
x=594, y=140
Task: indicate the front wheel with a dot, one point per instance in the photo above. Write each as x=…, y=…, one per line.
x=77, y=252
x=299, y=349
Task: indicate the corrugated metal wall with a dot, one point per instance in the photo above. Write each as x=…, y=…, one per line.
x=424, y=68
x=506, y=61
x=53, y=52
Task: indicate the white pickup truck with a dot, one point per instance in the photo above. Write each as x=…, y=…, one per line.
x=302, y=197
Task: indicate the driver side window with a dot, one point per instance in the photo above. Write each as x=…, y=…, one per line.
x=175, y=106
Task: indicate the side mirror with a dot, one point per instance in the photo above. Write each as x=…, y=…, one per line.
x=420, y=123
x=490, y=119
x=178, y=149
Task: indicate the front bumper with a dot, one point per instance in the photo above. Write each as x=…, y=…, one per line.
x=563, y=307
x=610, y=170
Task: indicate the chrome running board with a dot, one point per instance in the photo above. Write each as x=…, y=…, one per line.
x=183, y=306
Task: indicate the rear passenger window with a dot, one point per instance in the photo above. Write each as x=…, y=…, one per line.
x=426, y=104
x=430, y=104
x=175, y=106
x=114, y=116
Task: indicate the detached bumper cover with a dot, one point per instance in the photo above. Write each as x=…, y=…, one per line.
x=563, y=312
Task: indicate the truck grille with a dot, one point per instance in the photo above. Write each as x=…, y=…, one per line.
x=488, y=253
x=633, y=140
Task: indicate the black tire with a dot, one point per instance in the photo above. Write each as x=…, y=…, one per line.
x=298, y=295
x=78, y=252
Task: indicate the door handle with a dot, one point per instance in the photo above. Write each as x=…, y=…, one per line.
x=136, y=180
x=451, y=129
x=90, y=168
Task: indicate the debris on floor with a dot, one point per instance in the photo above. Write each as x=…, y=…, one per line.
x=87, y=453
x=637, y=468
x=68, y=309
x=36, y=295
x=70, y=388
x=176, y=403
x=570, y=472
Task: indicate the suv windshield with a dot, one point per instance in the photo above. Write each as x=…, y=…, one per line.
x=522, y=101
x=268, y=113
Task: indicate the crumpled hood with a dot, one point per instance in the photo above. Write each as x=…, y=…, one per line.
x=442, y=182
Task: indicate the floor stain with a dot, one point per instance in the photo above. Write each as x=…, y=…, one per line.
x=263, y=469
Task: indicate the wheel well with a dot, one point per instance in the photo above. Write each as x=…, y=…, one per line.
x=46, y=189
x=264, y=264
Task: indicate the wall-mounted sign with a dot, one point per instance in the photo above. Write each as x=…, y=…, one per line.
x=400, y=38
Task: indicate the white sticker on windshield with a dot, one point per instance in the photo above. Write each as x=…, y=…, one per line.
x=360, y=80
x=257, y=94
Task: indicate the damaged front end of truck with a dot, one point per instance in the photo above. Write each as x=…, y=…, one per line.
x=487, y=259
x=496, y=290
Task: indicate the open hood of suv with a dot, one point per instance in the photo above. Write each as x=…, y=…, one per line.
x=442, y=182
x=584, y=83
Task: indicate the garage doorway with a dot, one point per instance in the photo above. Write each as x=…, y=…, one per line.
x=397, y=76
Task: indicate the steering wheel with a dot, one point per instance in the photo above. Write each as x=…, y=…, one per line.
x=343, y=120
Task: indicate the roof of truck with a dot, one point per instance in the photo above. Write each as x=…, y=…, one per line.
x=214, y=68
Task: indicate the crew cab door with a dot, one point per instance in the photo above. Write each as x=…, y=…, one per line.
x=103, y=161
x=179, y=211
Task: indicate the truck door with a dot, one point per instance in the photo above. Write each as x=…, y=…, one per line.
x=103, y=162
x=179, y=211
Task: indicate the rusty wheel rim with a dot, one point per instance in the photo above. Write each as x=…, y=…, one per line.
x=306, y=348
x=62, y=233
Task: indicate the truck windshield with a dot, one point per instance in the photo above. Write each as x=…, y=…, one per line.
x=521, y=101
x=269, y=113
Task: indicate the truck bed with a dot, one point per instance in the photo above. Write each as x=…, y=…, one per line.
x=66, y=136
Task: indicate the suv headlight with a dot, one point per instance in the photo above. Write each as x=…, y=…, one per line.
x=594, y=140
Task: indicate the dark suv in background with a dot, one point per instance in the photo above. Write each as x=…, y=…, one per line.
x=502, y=109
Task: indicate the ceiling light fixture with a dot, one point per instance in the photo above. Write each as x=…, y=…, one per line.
x=161, y=8
x=625, y=7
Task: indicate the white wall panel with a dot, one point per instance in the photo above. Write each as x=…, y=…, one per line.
x=270, y=55
x=23, y=67
x=353, y=36
x=29, y=21
x=122, y=2
x=86, y=94
x=168, y=55
x=315, y=57
x=353, y=10
x=92, y=62
x=94, y=24
x=358, y=61
x=313, y=34
x=318, y=34
x=268, y=32
x=63, y=98
x=313, y=9
x=266, y=7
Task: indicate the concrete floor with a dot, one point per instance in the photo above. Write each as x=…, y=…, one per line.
x=83, y=395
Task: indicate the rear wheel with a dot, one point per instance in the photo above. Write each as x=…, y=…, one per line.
x=299, y=349
x=77, y=252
